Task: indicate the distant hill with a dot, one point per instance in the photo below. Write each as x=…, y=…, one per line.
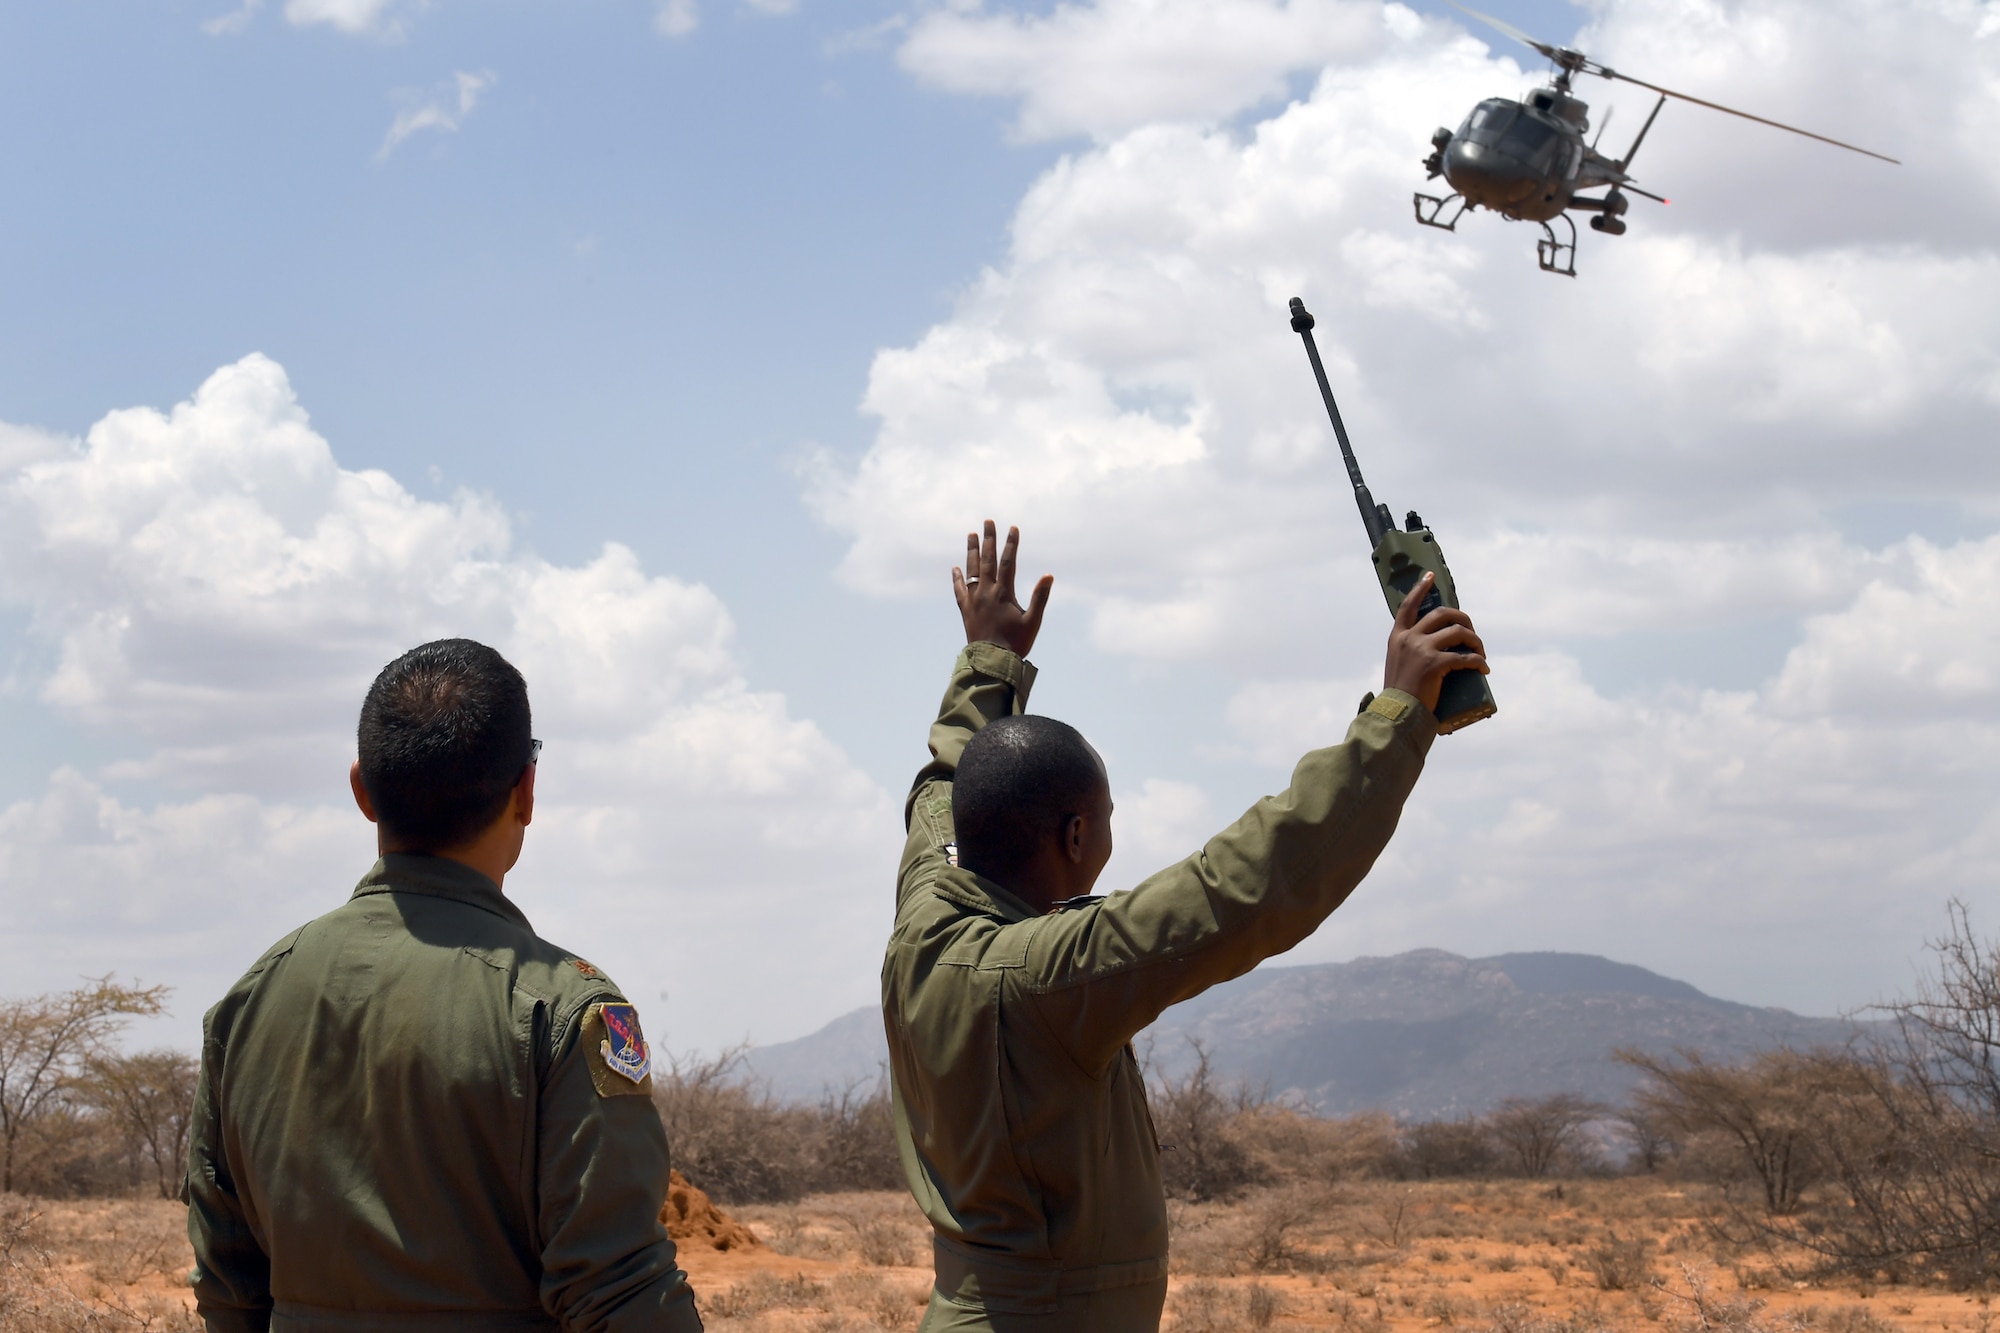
x=1420, y=1034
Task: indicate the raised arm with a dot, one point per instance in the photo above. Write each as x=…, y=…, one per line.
x=1099, y=975
x=990, y=679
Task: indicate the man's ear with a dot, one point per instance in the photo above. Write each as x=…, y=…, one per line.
x=524, y=797
x=360, y=790
x=1073, y=839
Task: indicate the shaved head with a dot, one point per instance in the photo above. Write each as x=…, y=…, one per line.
x=1019, y=783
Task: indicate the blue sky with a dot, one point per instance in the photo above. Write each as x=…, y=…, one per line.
x=778, y=302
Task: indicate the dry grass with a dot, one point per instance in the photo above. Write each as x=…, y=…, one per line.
x=1595, y=1256
x=1485, y=1256
x=866, y=1229
x=100, y=1264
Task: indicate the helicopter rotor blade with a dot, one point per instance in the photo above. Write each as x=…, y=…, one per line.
x=1508, y=28
x=1607, y=72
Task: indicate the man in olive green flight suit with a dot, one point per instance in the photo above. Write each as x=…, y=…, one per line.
x=414, y=1114
x=1010, y=1002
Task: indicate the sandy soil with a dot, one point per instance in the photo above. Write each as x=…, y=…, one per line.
x=1506, y=1256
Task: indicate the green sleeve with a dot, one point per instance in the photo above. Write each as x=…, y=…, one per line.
x=607, y=1265
x=232, y=1285
x=987, y=682
x=1098, y=975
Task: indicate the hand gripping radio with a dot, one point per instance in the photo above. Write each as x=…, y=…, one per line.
x=1401, y=558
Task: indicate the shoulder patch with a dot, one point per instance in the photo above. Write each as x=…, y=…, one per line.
x=621, y=1064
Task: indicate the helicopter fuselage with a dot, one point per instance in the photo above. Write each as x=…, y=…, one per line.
x=1529, y=161
x=1526, y=160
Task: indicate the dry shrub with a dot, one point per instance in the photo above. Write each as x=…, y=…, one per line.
x=1205, y=1240
x=1356, y=1317
x=1205, y=1306
x=1844, y=1319
x=70, y=1153
x=878, y=1229
x=1536, y=1135
x=1516, y=1318
x=1619, y=1265
x=1442, y=1309
x=884, y=1305
x=882, y=1243
x=1202, y=1155
x=1287, y=1144
x=1271, y=1229
x=1764, y=1118
x=762, y=1292
x=120, y=1242
x=37, y=1297
x=1439, y=1149
x=739, y=1143
x=1705, y=1309
x=1884, y=1157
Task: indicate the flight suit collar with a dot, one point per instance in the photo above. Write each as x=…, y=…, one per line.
x=982, y=895
x=439, y=877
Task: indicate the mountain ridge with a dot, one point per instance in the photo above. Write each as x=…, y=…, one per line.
x=1421, y=1034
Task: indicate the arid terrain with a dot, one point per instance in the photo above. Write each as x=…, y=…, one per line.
x=1508, y=1256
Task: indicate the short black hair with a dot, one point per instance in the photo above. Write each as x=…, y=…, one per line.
x=1019, y=781
x=445, y=734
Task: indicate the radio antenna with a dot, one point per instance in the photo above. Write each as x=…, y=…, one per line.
x=1374, y=517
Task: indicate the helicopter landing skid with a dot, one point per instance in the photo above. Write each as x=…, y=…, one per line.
x=1430, y=216
x=1557, y=256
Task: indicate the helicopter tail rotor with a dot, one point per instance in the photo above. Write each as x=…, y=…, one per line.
x=1604, y=125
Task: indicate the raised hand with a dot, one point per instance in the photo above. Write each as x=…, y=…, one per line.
x=1423, y=652
x=985, y=592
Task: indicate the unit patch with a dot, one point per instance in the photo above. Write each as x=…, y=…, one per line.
x=624, y=1045
x=616, y=1051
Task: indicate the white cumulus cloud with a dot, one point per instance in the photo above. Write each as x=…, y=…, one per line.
x=209, y=586
x=1127, y=368
x=1791, y=838
x=1701, y=438
x=1104, y=68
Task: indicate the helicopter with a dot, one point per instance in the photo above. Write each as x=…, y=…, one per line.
x=1528, y=161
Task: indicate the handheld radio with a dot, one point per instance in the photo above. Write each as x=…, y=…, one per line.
x=1402, y=557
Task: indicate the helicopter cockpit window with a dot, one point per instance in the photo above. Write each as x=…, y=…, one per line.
x=1527, y=139
x=1487, y=120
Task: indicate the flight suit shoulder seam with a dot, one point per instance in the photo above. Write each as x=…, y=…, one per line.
x=568, y=1011
x=1122, y=969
